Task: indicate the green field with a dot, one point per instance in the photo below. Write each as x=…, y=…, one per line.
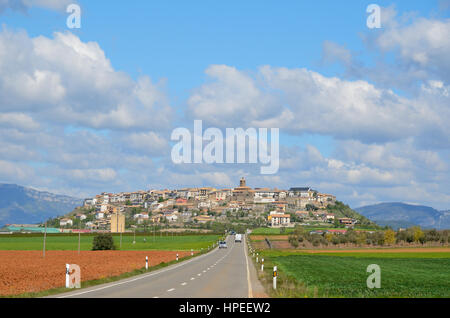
x=70, y=242
x=344, y=274
x=270, y=231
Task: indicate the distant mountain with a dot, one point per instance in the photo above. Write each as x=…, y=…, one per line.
x=27, y=206
x=405, y=215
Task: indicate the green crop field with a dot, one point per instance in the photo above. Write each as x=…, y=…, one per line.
x=70, y=242
x=344, y=274
x=270, y=231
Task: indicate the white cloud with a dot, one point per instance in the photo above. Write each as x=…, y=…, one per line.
x=68, y=81
x=228, y=102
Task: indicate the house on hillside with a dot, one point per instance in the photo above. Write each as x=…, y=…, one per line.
x=279, y=219
x=64, y=222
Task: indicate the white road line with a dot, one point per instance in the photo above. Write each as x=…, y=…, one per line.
x=204, y=271
x=155, y=297
x=171, y=289
x=199, y=274
x=183, y=284
x=192, y=278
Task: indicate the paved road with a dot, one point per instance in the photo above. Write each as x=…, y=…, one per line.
x=220, y=273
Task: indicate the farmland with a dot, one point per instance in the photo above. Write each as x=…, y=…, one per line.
x=63, y=242
x=407, y=272
x=24, y=272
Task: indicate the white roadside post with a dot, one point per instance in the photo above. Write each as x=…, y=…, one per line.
x=262, y=264
x=274, y=277
x=146, y=262
x=67, y=276
x=177, y=257
x=192, y=252
x=257, y=257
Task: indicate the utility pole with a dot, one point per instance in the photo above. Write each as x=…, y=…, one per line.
x=79, y=236
x=45, y=237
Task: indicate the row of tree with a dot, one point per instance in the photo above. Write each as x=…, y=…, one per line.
x=378, y=238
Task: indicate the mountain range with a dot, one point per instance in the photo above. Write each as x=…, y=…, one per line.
x=25, y=205
x=402, y=215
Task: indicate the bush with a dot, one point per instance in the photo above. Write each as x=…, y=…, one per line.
x=103, y=242
x=293, y=240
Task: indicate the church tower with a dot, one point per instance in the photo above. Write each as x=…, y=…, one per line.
x=242, y=182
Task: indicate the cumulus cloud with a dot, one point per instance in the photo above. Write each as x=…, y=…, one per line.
x=71, y=121
x=68, y=81
x=304, y=101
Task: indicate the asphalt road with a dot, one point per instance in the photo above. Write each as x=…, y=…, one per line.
x=223, y=273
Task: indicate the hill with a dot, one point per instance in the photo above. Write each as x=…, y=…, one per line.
x=341, y=210
x=25, y=205
x=396, y=214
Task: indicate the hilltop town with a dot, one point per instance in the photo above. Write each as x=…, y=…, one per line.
x=202, y=208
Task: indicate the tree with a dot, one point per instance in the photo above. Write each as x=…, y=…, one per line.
x=293, y=239
x=418, y=234
x=329, y=237
x=311, y=207
x=389, y=237
x=103, y=242
x=361, y=238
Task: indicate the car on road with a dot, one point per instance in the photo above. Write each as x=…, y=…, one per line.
x=238, y=238
x=222, y=244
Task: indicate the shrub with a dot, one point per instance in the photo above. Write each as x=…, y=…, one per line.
x=293, y=240
x=103, y=242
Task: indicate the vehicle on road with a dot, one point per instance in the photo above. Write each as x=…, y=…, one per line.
x=222, y=244
x=238, y=238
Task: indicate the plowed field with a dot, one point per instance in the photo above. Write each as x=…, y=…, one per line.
x=28, y=271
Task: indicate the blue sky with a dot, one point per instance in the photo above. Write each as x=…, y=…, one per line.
x=177, y=44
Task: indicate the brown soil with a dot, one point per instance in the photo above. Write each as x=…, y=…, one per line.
x=27, y=271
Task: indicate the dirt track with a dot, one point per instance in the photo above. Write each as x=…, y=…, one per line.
x=28, y=271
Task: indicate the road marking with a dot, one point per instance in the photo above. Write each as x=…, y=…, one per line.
x=204, y=271
x=250, y=292
x=183, y=284
x=155, y=297
x=171, y=289
x=192, y=278
x=199, y=274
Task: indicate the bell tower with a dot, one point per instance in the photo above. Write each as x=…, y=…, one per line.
x=242, y=182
